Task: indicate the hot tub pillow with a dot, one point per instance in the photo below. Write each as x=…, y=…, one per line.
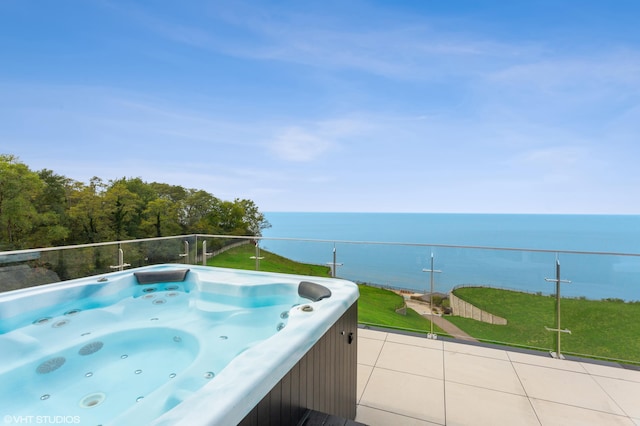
x=153, y=277
x=313, y=291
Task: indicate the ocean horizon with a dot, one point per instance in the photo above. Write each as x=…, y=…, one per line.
x=600, y=254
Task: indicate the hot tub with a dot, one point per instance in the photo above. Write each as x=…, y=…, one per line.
x=171, y=344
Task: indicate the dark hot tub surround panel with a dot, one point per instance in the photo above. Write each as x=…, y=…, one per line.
x=323, y=380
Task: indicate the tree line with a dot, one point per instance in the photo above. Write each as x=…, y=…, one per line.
x=44, y=209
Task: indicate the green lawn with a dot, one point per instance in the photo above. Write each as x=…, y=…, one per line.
x=601, y=329
x=376, y=306
x=240, y=258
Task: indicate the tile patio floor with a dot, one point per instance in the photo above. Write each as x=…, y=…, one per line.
x=406, y=380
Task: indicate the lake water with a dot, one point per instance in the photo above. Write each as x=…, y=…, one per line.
x=393, y=249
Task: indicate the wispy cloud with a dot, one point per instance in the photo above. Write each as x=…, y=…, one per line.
x=407, y=48
x=297, y=144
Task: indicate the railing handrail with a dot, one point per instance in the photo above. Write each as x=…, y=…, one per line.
x=393, y=243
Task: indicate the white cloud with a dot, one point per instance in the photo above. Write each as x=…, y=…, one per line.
x=297, y=144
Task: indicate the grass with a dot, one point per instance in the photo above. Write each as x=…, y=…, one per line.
x=240, y=258
x=376, y=306
x=600, y=329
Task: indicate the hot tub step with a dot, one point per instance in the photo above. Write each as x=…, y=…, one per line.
x=316, y=418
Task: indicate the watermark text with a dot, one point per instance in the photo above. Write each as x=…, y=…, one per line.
x=40, y=420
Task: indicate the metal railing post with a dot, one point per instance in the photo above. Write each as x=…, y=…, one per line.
x=333, y=265
x=186, y=252
x=257, y=257
x=558, y=330
x=121, y=265
x=431, y=271
x=204, y=253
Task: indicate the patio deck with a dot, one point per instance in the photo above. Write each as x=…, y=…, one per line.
x=406, y=380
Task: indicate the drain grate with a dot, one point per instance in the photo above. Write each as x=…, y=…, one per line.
x=51, y=365
x=91, y=348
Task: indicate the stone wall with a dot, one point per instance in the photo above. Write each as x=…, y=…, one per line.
x=467, y=310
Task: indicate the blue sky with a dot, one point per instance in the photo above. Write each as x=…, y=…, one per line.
x=413, y=106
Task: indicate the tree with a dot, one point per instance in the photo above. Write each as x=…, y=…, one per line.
x=122, y=207
x=161, y=218
x=88, y=219
x=253, y=219
x=52, y=205
x=19, y=188
x=197, y=206
x=45, y=209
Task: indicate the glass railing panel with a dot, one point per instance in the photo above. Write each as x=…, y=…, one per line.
x=600, y=307
x=80, y=262
x=25, y=269
x=499, y=296
x=180, y=249
x=241, y=251
x=395, y=266
x=53, y=265
x=392, y=281
x=30, y=268
x=317, y=254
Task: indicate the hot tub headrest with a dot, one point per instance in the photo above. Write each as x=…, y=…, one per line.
x=153, y=277
x=313, y=291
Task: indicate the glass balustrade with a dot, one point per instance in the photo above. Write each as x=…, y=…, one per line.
x=506, y=296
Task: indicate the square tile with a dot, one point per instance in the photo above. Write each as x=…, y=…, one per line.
x=625, y=393
x=462, y=348
x=372, y=334
x=411, y=359
x=415, y=341
x=405, y=394
x=546, y=361
x=483, y=372
x=565, y=387
x=369, y=350
x=364, y=372
x=554, y=414
x=613, y=372
x=470, y=405
x=373, y=417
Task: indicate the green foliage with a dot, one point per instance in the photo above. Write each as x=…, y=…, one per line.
x=40, y=209
x=19, y=190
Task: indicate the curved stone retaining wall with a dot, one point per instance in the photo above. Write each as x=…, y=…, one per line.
x=467, y=310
